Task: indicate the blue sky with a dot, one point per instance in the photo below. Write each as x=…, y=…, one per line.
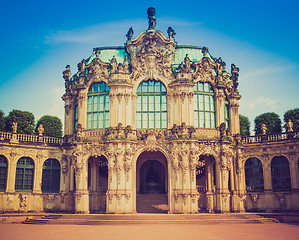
x=39, y=38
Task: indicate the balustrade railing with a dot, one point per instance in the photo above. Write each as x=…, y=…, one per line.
x=270, y=137
x=29, y=138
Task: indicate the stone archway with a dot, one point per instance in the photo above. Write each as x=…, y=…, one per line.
x=151, y=183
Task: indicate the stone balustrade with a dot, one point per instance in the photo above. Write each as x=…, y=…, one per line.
x=15, y=137
x=270, y=138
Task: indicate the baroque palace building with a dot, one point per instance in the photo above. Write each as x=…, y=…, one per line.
x=150, y=126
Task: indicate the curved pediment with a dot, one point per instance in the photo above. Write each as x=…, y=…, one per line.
x=151, y=54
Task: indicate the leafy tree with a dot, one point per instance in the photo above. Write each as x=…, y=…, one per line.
x=244, y=126
x=271, y=120
x=294, y=116
x=2, y=121
x=24, y=119
x=51, y=124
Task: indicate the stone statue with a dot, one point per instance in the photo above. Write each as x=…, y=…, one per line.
x=264, y=129
x=130, y=33
x=14, y=127
x=66, y=73
x=40, y=130
x=187, y=63
x=235, y=75
x=151, y=18
x=97, y=52
x=170, y=32
x=289, y=126
x=204, y=51
x=113, y=64
x=220, y=66
x=126, y=65
x=81, y=66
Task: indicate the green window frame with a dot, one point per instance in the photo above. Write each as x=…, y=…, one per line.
x=226, y=114
x=3, y=173
x=254, y=175
x=98, y=106
x=280, y=174
x=24, y=175
x=51, y=176
x=151, y=105
x=204, y=106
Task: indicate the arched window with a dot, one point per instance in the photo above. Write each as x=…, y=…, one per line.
x=3, y=173
x=254, y=175
x=98, y=104
x=226, y=114
x=51, y=176
x=151, y=105
x=24, y=175
x=280, y=172
x=204, y=105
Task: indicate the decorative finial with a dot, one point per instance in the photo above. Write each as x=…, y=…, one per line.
x=264, y=129
x=130, y=34
x=235, y=75
x=151, y=11
x=170, y=32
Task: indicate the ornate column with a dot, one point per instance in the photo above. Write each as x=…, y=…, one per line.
x=111, y=206
x=209, y=190
x=82, y=107
x=294, y=171
x=268, y=192
x=11, y=172
x=68, y=114
x=38, y=170
x=81, y=194
x=234, y=113
x=219, y=105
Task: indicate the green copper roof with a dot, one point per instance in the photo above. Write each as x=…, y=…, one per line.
x=108, y=52
x=194, y=53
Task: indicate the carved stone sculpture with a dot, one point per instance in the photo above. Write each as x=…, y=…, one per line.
x=151, y=18
x=40, y=130
x=289, y=126
x=130, y=33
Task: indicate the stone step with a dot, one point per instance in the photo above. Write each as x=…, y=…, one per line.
x=152, y=203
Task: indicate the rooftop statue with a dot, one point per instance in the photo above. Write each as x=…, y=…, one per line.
x=130, y=34
x=170, y=32
x=151, y=18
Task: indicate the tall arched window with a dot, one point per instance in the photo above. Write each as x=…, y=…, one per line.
x=51, y=176
x=280, y=172
x=3, y=173
x=254, y=175
x=98, y=104
x=151, y=105
x=24, y=175
x=204, y=105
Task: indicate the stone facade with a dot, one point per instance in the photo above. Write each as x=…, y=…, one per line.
x=198, y=163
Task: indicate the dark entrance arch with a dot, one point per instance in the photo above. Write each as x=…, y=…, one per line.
x=152, y=177
x=151, y=183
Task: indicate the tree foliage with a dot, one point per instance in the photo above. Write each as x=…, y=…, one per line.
x=244, y=126
x=271, y=120
x=294, y=116
x=2, y=121
x=51, y=124
x=24, y=119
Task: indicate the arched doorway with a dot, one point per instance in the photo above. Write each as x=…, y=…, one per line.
x=151, y=183
x=152, y=179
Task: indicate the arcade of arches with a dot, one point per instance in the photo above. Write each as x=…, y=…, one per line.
x=150, y=127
